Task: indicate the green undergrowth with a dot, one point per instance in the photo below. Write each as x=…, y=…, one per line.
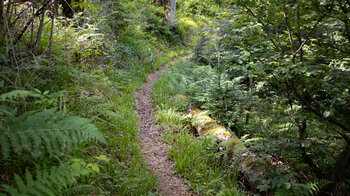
x=199, y=160
x=133, y=176
x=112, y=163
x=67, y=121
x=67, y=107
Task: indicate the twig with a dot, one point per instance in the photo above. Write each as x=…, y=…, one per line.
x=307, y=36
x=265, y=27
x=40, y=30
x=37, y=13
x=7, y=30
x=289, y=32
x=51, y=33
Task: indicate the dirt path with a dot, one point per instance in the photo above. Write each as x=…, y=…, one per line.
x=153, y=148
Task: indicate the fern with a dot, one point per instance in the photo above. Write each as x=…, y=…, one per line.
x=200, y=51
x=46, y=131
x=11, y=96
x=5, y=110
x=60, y=180
x=310, y=188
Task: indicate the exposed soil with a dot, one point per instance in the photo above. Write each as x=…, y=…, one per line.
x=153, y=148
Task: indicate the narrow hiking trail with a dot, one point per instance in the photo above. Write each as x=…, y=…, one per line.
x=153, y=147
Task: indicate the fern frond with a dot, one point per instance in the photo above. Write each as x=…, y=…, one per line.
x=47, y=131
x=76, y=190
x=5, y=110
x=54, y=181
x=11, y=96
x=310, y=188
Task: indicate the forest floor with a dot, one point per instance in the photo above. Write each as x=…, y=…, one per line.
x=153, y=147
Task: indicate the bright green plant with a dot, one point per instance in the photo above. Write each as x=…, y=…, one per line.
x=88, y=68
x=62, y=180
x=197, y=159
x=36, y=133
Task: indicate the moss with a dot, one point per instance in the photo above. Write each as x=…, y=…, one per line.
x=208, y=126
x=219, y=132
x=234, y=144
x=247, y=162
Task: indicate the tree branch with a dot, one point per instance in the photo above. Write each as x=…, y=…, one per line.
x=2, y=19
x=37, y=13
x=265, y=27
x=308, y=35
x=305, y=156
x=289, y=32
x=307, y=105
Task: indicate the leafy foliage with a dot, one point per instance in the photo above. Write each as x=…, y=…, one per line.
x=63, y=63
x=310, y=188
x=47, y=131
x=197, y=159
x=60, y=180
x=11, y=96
x=285, y=86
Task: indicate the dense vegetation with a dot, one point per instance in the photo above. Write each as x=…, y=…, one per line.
x=67, y=81
x=275, y=73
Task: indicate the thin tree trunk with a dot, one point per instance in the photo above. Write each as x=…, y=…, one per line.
x=52, y=27
x=171, y=15
x=341, y=170
x=37, y=13
x=2, y=21
x=219, y=70
x=40, y=31
x=301, y=55
x=313, y=167
x=8, y=35
x=51, y=33
x=251, y=85
x=289, y=33
x=32, y=27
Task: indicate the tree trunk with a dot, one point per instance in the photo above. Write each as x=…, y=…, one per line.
x=313, y=167
x=29, y=22
x=2, y=20
x=251, y=86
x=341, y=171
x=40, y=30
x=52, y=26
x=171, y=15
x=160, y=3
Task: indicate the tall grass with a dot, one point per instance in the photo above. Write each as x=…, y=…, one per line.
x=129, y=173
x=199, y=160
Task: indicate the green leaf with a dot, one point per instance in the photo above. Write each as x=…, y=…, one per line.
x=95, y=168
x=76, y=165
x=102, y=158
x=288, y=185
x=34, y=133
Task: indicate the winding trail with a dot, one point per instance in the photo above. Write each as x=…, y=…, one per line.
x=153, y=148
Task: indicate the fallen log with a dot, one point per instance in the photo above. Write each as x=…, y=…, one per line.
x=206, y=126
